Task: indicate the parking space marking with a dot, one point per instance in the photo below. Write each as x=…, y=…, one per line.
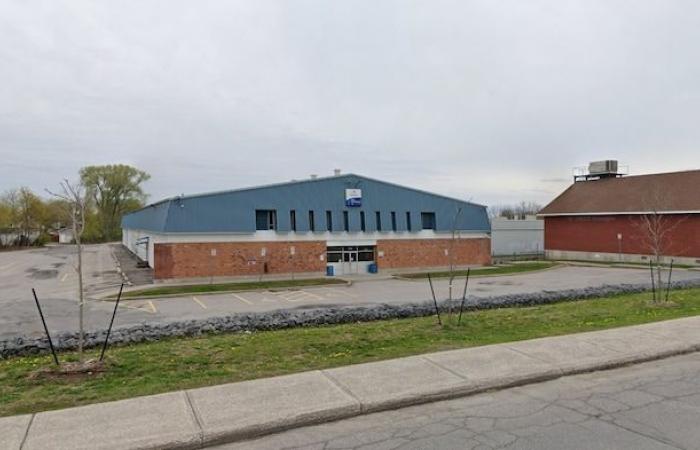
x=63, y=278
x=311, y=294
x=242, y=299
x=335, y=293
x=199, y=302
x=7, y=266
x=151, y=307
x=298, y=296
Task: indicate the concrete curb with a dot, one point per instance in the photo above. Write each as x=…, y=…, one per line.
x=197, y=418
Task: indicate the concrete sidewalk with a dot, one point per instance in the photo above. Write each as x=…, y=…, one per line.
x=200, y=417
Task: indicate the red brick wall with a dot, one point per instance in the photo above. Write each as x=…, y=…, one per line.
x=599, y=234
x=419, y=253
x=190, y=260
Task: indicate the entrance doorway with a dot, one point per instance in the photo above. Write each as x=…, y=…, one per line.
x=350, y=259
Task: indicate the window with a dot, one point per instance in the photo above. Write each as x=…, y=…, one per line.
x=346, y=221
x=293, y=220
x=312, y=224
x=265, y=219
x=378, y=218
x=393, y=221
x=428, y=220
x=363, y=227
x=408, y=220
x=329, y=221
x=365, y=253
x=334, y=254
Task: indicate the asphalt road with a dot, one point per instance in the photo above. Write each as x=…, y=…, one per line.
x=50, y=271
x=648, y=406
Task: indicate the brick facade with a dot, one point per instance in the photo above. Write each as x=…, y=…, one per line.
x=599, y=234
x=229, y=259
x=419, y=253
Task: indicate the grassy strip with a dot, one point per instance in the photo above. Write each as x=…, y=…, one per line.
x=238, y=286
x=629, y=263
x=180, y=363
x=498, y=270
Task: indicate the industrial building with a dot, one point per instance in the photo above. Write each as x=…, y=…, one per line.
x=342, y=224
x=517, y=237
x=607, y=216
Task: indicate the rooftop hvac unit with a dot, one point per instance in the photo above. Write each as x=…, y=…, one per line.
x=602, y=167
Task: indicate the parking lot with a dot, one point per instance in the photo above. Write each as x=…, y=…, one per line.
x=51, y=272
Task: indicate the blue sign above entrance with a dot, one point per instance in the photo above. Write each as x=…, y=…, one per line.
x=353, y=197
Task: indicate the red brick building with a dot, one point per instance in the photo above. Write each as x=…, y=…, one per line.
x=341, y=225
x=616, y=218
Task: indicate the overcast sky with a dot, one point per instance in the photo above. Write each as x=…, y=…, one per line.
x=490, y=101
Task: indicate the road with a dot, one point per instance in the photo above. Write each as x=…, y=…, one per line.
x=50, y=271
x=647, y=406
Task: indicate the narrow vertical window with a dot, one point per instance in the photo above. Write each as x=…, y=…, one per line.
x=393, y=221
x=329, y=221
x=346, y=221
x=408, y=220
x=363, y=227
x=293, y=220
x=312, y=224
x=378, y=218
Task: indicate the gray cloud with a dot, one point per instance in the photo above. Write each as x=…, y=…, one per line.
x=490, y=101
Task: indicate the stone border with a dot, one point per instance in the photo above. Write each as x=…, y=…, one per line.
x=280, y=319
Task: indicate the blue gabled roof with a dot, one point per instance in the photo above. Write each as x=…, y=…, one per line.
x=234, y=210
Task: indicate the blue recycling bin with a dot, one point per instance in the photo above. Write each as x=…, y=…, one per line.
x=372, y=268
x=330, y=271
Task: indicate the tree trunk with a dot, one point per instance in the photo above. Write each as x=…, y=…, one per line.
x=81, y=300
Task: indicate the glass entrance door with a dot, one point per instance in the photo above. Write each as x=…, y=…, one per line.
x=350, y=259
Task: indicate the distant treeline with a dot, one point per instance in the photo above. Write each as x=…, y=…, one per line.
x=26, y=218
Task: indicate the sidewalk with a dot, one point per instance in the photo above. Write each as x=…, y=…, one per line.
x=237, y=411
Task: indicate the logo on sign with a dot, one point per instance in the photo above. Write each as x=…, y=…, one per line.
x=353, y=197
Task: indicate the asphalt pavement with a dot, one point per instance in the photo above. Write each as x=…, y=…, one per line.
x=654, y=405
x=51, y=271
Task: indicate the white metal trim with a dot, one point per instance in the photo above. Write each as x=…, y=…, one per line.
x=617, y=213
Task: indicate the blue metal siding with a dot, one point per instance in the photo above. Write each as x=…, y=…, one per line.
x=234, y=211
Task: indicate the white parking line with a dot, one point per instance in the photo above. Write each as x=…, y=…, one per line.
x=336, y=292
x=311, y=294
x=242, y=299
x=63, y=278
x=151, y=307
x=199, y=302
x=7, y=266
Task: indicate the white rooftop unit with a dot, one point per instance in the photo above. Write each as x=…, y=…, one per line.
x=609, y=166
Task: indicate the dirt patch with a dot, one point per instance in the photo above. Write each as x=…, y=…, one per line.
x=71, y=371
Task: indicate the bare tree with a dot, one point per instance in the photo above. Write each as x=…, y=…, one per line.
x=74, y=195
x=451, y=256
x=656, y=230
x=518, y=211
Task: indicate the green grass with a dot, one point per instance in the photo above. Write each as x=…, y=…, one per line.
x=631, y=263
x=179, y=363
x=238, y=286
x=493, y=270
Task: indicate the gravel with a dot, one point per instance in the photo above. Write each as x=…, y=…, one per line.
x=275, y=320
